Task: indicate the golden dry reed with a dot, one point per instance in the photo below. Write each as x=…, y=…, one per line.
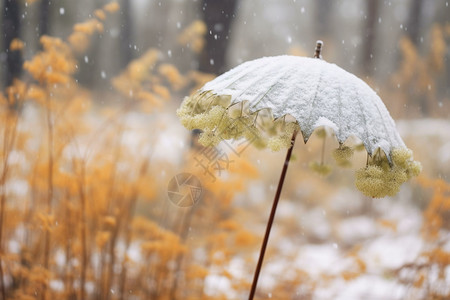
x=85, y=216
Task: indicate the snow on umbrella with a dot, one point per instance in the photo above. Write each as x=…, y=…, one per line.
x=268, y=100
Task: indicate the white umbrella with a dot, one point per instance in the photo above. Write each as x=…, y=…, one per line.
x=265, y=94
x=315, y=93
x=268, y=100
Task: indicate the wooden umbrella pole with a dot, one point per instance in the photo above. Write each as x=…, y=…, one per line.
x=271, y=217
x=317, y=54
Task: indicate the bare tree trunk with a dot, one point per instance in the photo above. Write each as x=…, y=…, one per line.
x=414, y=21
x=443, y=17
x=44, y=11
x=126, y=34
x=217, y=16
x=372, y=9
x=11, y=30
x=89, y=70
x=323, y=16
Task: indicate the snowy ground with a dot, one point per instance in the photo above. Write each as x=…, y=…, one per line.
x=321, y=245
x=383, y=249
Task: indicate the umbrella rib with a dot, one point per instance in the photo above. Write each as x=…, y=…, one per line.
x=265, y=94
x=270, y=88
x=366, y=131
x=313, y=101
x=340, y=114
x=293, y=70
x=228, y=76
x=384, y=124
x=257, y=79
x=233, y=82
x=239, y=79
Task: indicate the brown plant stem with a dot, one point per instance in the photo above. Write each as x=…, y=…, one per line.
x=9, y=136
x=112, y=258
x=2, y=217
x=84, y=259
x=271, y=218
x=128, y=220
x=130, y=211
x=68, y=270
x=108, y=276
x=3, y=290
x=2, y=210
x=183, y=233
x=47, y=235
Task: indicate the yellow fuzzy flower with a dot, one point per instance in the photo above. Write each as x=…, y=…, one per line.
x=320, y=168
x=380, y=179
x=343, y=155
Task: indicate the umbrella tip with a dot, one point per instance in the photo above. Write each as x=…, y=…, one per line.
x=319, y=45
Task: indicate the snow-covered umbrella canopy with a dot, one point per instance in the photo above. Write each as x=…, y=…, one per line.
x=268, y=99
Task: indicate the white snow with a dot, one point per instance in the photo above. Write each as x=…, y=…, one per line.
x=318, y=259
x=316, y=224
x=363, y=287
x=353, y=230
x=315, y=93
x=390, y=252
x=218, y=284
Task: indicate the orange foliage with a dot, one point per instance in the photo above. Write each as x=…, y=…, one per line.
x=16, y=45
x=100, y=14
x=429, y=269
x=436, y=216
x=193, y=36
x=172, y=75
x=95, y=211
x=388, y=224
x=111, y=7
x=419, y=77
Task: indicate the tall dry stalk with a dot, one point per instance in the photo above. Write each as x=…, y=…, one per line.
x=68, y=277
x=9, y=136
x=129, y=212
x=183, y=231
x=49, y=208
x=112, y=258
x=8, y=141
x=83, y=233
x=111, y=194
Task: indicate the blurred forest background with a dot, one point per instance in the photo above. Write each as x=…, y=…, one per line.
x=89, y=140
x=373, y=39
